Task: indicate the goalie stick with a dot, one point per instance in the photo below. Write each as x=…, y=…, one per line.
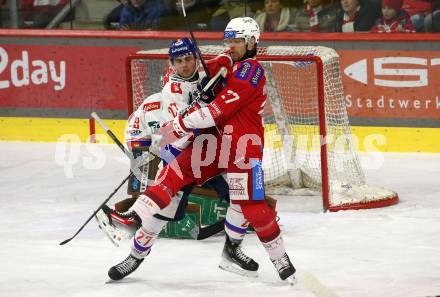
x=203, y=232
x=97, y=210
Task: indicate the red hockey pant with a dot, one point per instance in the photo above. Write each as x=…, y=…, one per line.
x=185, y=171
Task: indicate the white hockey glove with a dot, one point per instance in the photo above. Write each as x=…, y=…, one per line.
x=172, y=131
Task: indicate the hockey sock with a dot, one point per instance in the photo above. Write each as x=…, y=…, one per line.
x=145, y=236
x=275, y=248
x=235, y=223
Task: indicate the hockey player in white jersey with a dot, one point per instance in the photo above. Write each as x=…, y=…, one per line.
x=154, y=111
x=178, y=84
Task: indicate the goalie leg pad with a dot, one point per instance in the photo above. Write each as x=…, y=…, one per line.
x=124, y=205
x=263, y=219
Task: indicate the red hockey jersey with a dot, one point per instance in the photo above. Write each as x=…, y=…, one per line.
x=237, y=110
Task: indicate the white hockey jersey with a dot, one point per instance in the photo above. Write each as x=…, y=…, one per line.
x=151, y=114
x=158, y=109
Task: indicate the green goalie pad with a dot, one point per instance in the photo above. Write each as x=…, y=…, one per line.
x=186, y=228
x=212, y=209
x=203, y=209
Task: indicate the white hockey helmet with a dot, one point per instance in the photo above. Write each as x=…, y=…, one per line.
x=242, y=28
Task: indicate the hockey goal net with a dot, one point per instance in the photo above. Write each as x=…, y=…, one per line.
x=309, y=147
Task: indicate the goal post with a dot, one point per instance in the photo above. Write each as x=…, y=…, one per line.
x=309, y=147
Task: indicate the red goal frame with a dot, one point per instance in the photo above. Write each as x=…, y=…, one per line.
x=322, y=123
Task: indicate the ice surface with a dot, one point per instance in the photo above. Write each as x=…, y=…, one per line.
x=391, y=252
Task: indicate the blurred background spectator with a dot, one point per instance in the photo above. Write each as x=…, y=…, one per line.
x=111, y=20
x=142, y=15
x=420, y=12
x=228, y=10
x=394, y=18
x=213, y=15
x=436, y=17
x=276, y=17
x=39, y=13
x=357, y=15
x=1, y=12
x=316, y=16
x=198, y=14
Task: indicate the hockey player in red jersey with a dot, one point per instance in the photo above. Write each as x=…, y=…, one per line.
x=234, y=147
x=181, y=81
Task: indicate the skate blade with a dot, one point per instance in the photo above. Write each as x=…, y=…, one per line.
x=114, y=235
x=234, y=268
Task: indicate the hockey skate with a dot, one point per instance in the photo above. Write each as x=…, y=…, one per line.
x=235, y=261
x=285, y=269
x=124, y=268
x=116, y=225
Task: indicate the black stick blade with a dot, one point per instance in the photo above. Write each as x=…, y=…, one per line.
x=65, y=241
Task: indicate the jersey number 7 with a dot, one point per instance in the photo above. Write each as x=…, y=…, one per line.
x=230, y=96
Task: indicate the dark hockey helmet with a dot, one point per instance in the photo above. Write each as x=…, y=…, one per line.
x=181, y=47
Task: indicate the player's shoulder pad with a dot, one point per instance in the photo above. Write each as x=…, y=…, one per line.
x=250, y=71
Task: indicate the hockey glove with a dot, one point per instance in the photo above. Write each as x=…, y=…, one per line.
x=223, y=60
x=204, y=96
x=208, y=88
x=172, y=131
x=195, y=105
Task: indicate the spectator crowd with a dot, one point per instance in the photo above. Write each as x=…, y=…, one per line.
x=282, y=15
x=382, y=16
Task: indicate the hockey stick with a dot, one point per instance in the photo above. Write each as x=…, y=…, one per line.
x=208, y=231
x=110, y=133
x=204, y=232
x=194, y=39
x=221, y=73
x=94, y=213
x=135, y=168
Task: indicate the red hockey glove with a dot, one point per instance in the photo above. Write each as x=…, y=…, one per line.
x=223, y=60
